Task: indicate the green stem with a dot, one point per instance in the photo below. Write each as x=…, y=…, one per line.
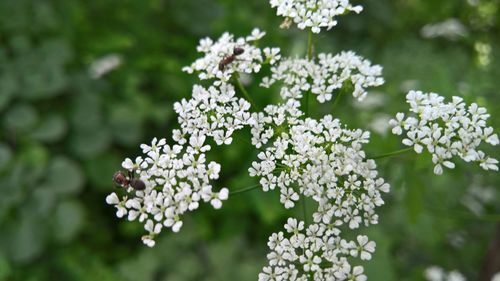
x=244, y=189
x=337, y=98
x=244, y=91
x=394, y=153
x=309, y=57
x=310, y=45
x=304, y=209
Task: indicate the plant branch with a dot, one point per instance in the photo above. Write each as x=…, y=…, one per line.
x=304, y=209
x=310, y=45
x=244, y=189
x=394, y=153
x=244, y=92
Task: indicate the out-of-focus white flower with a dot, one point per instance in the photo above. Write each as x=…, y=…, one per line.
x=446, y=130
x=325, y=76
x=103, y=65
x=451, y=29
x=436, y=273
x=313, y=14
x=496, y=277
x=478, y=197
x=176, y=177
x=380, y=124
x=213, y=65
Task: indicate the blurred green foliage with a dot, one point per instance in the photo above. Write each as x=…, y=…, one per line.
x=63, y=134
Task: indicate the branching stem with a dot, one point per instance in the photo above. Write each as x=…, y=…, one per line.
x=243, y=190
x=245, y=92
x=394, y=153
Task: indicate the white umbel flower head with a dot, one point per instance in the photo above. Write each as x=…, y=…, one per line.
x=325, y=76
x=213, y=112
x=321, y=160
x=215, y=64
x=312, y=253
x=446, y=130
x=313, y=14
x=177, y=178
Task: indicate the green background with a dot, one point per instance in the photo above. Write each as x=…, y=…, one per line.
x=64, y=134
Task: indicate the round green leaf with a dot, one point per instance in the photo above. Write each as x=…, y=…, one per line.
x=51, y=129
x=28, y=239
x=5, y=155
x=8, y=87
x=21, y=118
x=101, y=169
x=64, y=176
x=69, y=218
x=91, y=143
x=126, y=125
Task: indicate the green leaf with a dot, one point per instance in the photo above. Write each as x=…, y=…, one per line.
x=27, y=239
x=21, y=118
x=8, y=87
x=51, y=129
x=69, y=218
x=100, y=170
x=5, y=155
x=90, y=144
x=64, y=176
x=125, y=123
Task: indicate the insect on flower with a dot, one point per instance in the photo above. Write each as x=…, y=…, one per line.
x=122, y=180
x=230, y=58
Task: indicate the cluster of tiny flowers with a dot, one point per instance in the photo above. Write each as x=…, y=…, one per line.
x=323, y=161
x=324, y=77
x=213, y=112
x=214, y=63
x=314, y=14
x=435, y=273
x=315, y=252
x=176, y=178
x=446, y=129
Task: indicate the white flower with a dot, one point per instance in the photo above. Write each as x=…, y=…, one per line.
x=326, y=76
x=255, y=35
x=316, y=14
x=365, y=247
x=288, y=196
x=446, y=130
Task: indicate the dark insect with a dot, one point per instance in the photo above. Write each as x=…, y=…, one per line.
x=230, y=58
x=122, y=180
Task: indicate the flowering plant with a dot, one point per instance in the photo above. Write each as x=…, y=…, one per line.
x=307, y=159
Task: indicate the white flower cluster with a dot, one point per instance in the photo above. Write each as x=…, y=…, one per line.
x=221, y=58
x=314, y=14
x=213, y=112
x=315, y=252
x=446, y=129
x=177, y=178
x=324, y=77
x=436, y=273
x=323, y=161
